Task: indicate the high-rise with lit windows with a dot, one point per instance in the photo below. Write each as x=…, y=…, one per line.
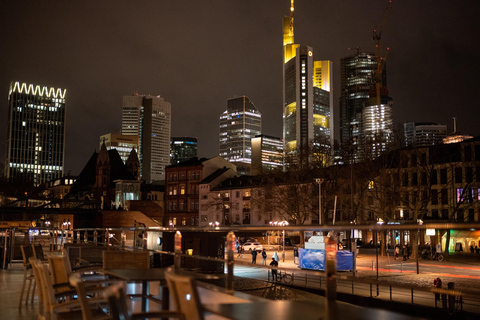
x=238, y=125
x=307, y=100
x=36, y=133
x=366, y=121
x=267, y=154
x=149, y=118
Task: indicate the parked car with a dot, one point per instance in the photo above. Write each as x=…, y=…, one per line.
x=249, y=246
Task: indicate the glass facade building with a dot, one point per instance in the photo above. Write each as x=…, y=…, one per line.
x=36, y=134
x=356, y=81
x=267, y=153
x=182, y=149
x=238, y=125
x=149, y=118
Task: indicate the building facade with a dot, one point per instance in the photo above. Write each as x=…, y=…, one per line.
x=123, y=143
x=238, y=125
x=182, y=149
x=307, y=99
x=182, y=187
x=36, y=134
x=424, y=134
x=267, y=154
x=149, y=118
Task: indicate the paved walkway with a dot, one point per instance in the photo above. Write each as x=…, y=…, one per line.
x=462, y=269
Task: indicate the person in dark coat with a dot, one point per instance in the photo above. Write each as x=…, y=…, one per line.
x=274, y=263
x=254, y=256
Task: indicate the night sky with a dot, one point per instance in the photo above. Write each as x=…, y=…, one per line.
x=197, y=54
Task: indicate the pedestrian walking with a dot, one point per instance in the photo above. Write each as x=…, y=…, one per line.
x=405, y=253
x=240, y=252
x=274, y=263
x=254, y=256
x=264, y=258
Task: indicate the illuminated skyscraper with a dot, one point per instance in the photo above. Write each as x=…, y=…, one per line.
x=307, y=99
x=36, y=134
x=267, y=153
x=238, y=125
x=365, y=126
x=149, y=118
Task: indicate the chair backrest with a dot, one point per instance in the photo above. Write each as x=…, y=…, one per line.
x=84, y=291
x=44, y=281
x=119, y=259
x=185, y=295
x=60, y=268
x=38, y=251
x=27, y=253
x=117, y=301
x=41, y=302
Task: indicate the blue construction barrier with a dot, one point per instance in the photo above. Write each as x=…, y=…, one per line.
x=315, y=259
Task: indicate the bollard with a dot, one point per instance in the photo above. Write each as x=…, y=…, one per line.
x=178, y=250
x=85, y=236
x=123, y=239
x=230, y=250
x=451, y=299
x=144, y=239
x=330, y=270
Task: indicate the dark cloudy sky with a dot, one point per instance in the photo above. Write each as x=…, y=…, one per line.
x=197, y=54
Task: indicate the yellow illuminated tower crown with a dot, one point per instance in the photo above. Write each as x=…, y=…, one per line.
x=288, y=36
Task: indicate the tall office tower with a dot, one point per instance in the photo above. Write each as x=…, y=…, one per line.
x=307, y=100
x=149, y=118
x=267, y=153
x=377, y=121
x=36, y=134
x=123, y=143
x=238, y=125
x=356, y=81
x=424, y=134
x=182, y=149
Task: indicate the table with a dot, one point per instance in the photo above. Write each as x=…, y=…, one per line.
x=284, y=309
x=146, y=275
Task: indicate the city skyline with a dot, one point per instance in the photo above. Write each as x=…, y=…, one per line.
x=197, y=56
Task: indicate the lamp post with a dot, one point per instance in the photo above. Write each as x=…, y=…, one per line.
x=319, y=181
x=281, y=223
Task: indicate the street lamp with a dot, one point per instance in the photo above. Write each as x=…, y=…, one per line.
x=319, y=181
x=281, y=223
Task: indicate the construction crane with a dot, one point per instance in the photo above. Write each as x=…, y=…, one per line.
x=377, y=36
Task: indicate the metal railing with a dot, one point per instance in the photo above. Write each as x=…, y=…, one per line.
x=375, y=289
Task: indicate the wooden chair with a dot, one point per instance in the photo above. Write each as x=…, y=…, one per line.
x=120, y=259
x=28, y=275
x=54, y=308
x=185, y=295
x=117, y=301
x=41, y=300
x=89, y=293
